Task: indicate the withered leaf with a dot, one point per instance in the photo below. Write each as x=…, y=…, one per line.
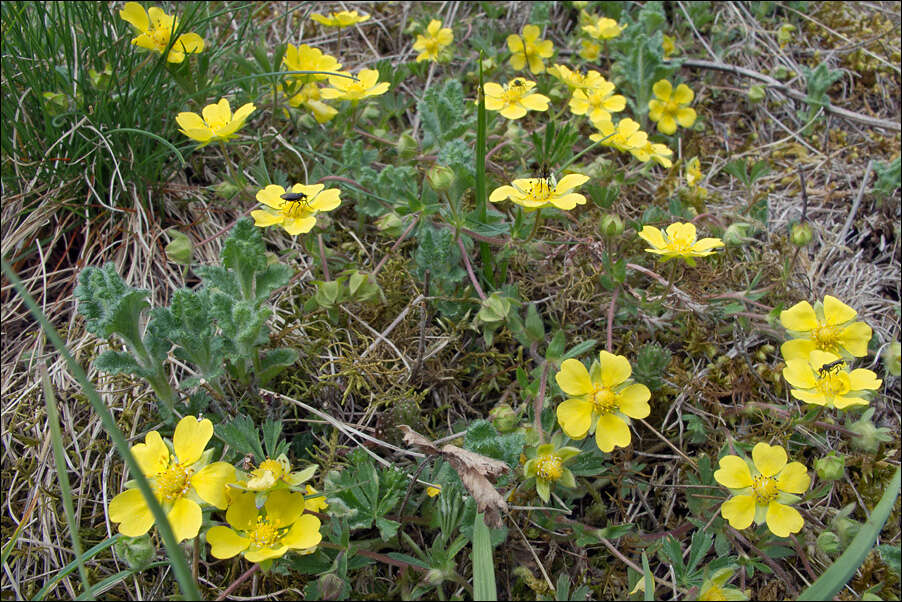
x=473, y=469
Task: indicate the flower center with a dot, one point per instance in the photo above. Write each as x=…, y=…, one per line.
x=431, y=46
x=671, y=107
x=765, y=489
x=173, y=482
x=831, y=384
x=826, y=338
x=265, y=533
x=681, y=242
x=539, y=190
x=294, y=208
x=604, y=401
x=548, y=467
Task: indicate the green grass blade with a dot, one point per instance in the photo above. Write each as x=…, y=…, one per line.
x=839, y=573
x=483, y=564
x=485, y=253
x=108, y=583
x=649, y=579
x=103, y=545
x=59, y=453
x=179, y=564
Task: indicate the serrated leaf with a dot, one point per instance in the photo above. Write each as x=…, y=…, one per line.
x=117, y=362
x=241, y=435
x=275, y=361
x=535, y=327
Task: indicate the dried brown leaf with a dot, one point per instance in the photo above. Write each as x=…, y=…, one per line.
x=462, y=459
x=411, y=437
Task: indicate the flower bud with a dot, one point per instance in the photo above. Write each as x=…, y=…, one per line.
x=226, y=189
x=831, y=467
x=371, y=112
x=407, y=146
x=611, y=225
x=390, y=223
x=737, y=234
x=800, y=235
x=756, y=93
x=136, y=551
x=330, y=586
x=179, y=249
x=441, y=178
x=435, y=577
x=503, y=418
x=892, y=358
x=868, y=437
x=828, y=543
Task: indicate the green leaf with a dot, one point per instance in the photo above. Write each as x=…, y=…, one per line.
x=483, y=563
x=892, y=556
x=241, y=435
x=483, y=438
x=535, y=327
x=649, y=580
x=117, y=362
x=109, y=305
x=839, y=573
x=274, y=361
x=444, y=114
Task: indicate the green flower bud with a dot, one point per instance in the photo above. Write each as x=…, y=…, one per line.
x=136, y=551
x=435, y=577
x=867, y=436
x=828, y=543
x=737, y=234
x=756, y=93
x=226, y=189
x=611, y=225
x=801, y=234
x=831, y=467
x=391, y=224
x=503, y=418
x=441, y=178
x=180, y=248
x=101, y=80
x=371, y=112
x=892, y=358
x=407, y=146
x=330, y=586
x=846, y=529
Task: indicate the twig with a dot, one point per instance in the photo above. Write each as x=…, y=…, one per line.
x=244, y=577
x=322, y=257
x=395, y=246
x=539, y=402
x=610, y=340
x=667, y=441
x=792, y=93
x=421, y=345
x=463, y=254
x=733, y=533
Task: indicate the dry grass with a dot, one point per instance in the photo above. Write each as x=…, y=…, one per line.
x=369, y=384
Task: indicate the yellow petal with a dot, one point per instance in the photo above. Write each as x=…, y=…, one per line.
x=255, y=554
x=244, y=112
x=683, y=94
x=189, y=42
x=615, y=369
x=211, y=481
x=783, y=520
x=326, y=200
x=284, y=506
x=837, y=312
x=575, y=417
x=135, y=14
x=573, y=378
x=242, y=512
x=185, y=518
x=130, y=510
x=862, y=379
x=226, y=543
x=217, y=113
x=264, y=219
x=501, y=193
x=768, y=459
x=535, y=102
x=799, y=374
x=271, y=196
x=739, y=511
x=299, y=225
x=733, y=473
x=190, y=121
x=610, y=432
x=571, y=181
x=190, y=438
x=812, y=397
x=653, y=236
x=855, y=337
x=633, y=401
x=799, y=318
x=818, y=358
x=152, y=455
x=567, y=201
x=304, y=533
x=662, y=89
x=794, y=478
x=842, y=402
x=667, y=124
x=685, y=116
x=797, y=349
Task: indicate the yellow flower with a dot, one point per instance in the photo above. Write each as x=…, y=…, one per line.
x=314, y=501
x=307, y=58
x=668, y=44
x=344, y=88
x=181, y=480
x=529, y=49
x=598, y=102
x=693, y=172
x=274, y=474
x=604, y=29
x=546, y=465
x=713, y=588
x=574, y=79
x=309, y=96
x=601, y=399
x=590, y=50
x=267, y=533
x=430, y=45
x=433, y=491
x=296, y=215
x=653, y=151
x=156, y=29
x=515, y=98
x=669, y=108
x=340, y=19
x=824, y=379
x=536, y=193
x=217, y=123
x=828, y=326
x=679, y=241
x=625, y=136
x=762, y=489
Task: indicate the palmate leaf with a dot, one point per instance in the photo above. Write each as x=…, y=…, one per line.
x=444, y=114
x=108, y=304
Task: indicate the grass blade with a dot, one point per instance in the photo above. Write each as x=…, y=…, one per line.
x=103, y=545
x=483, y=564
x=179, y=564
x=839, y=573
x=59, y=453
x=649, y=580
x=485, y=253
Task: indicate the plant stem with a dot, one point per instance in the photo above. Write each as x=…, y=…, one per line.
x=244, y=577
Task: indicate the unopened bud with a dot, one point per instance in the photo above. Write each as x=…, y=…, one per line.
x=503, y=418
x=435, y=577
x=892, y=358
x=737, y=234
x=225, y=189
x=179, y=249
x=831, y=467
x=136, y=551
x=441, y=178
x=330, y=586
x=407, y=146
x=868, y=436
x=611, y=225
x=801, y=234
x=371, y=112
x=828, y=543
